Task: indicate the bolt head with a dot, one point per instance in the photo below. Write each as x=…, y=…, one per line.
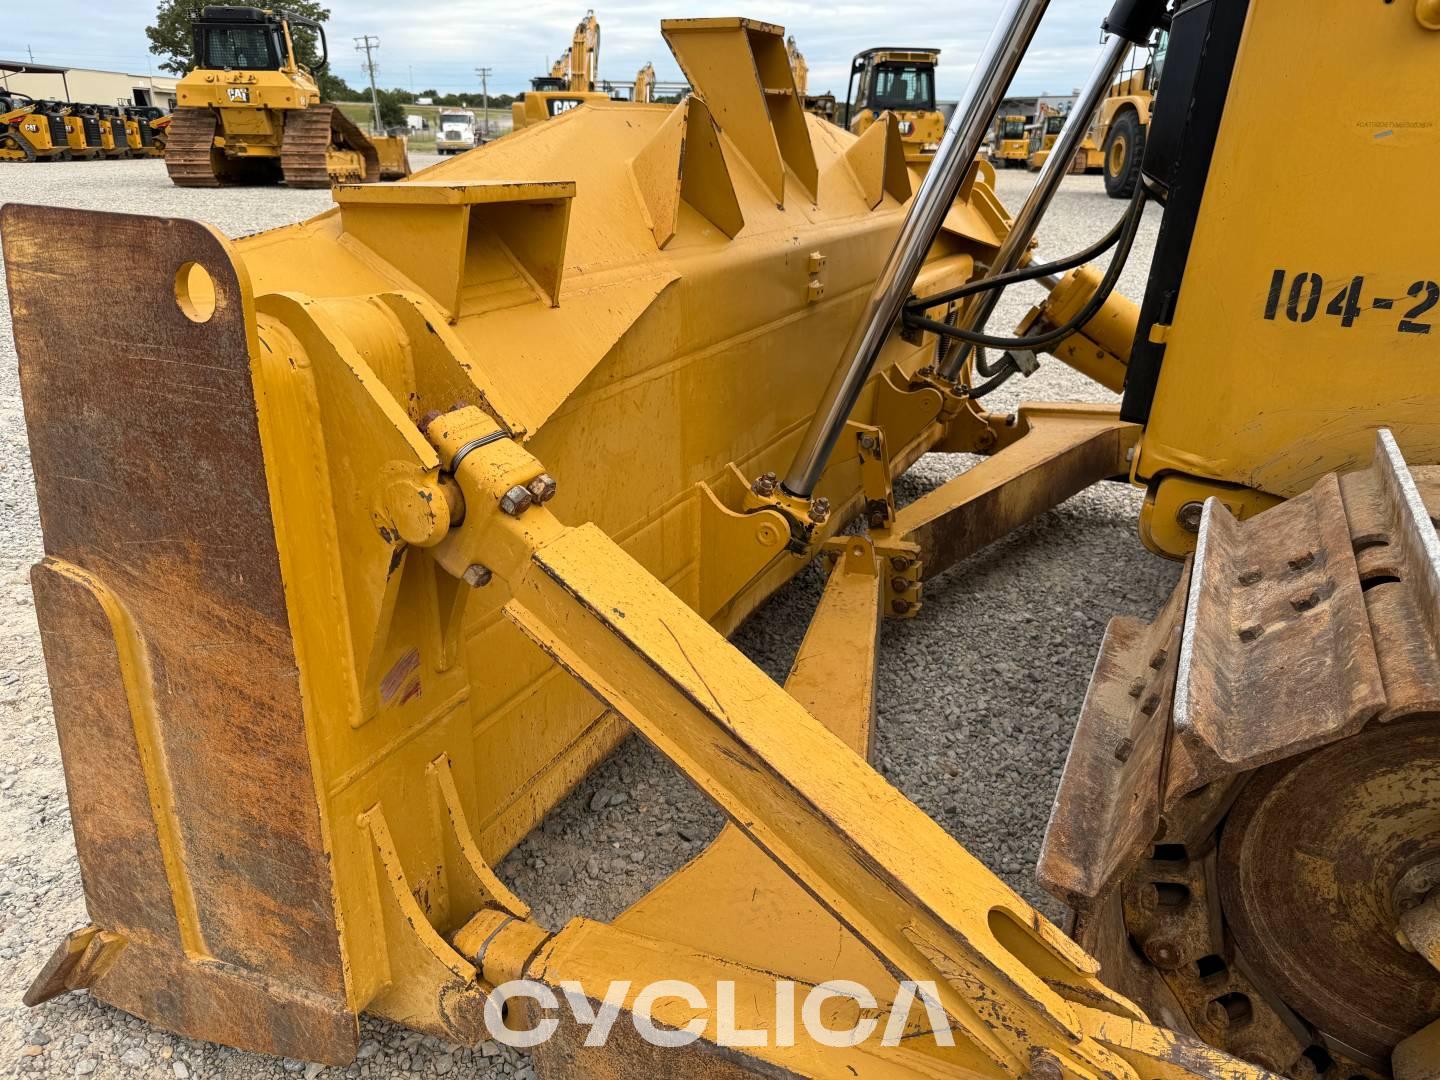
x=1163, y=953
x=900, y=605
x=819, y=510
x=763, y=485
x=1188, y=516
x=1045, y=1066
x=899, y=563
x=542, y=488
x=900, y=584
x=516, y=501
x=477, y=576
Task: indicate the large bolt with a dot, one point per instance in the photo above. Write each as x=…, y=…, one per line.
x=1188, y=516
x=476, y=575
x=899, y=563
x=900, y=605
x=764, y=486
x=1045, y=1066
x=900, y=584
x=516, y=501
x=1163, y=953
x=819, y=510
x=542, y=488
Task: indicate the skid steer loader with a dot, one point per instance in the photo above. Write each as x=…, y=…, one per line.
x=470, y=476
x=31, y=131
x=250, y=114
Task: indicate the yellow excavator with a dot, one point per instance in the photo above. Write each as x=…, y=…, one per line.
x=901, y=82
x=248, y=113
x=360, y=552
x=573, y=79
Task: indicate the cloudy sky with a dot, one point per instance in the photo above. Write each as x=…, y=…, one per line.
x=433, y=44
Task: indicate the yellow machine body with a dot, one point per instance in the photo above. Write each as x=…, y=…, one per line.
x=26, y=134
x=469, y=475
x=920, y=129
x=262, y=125
x=1252, y=324
x=1010, y=145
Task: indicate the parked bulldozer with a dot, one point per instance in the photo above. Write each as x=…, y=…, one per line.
x=902, y=82
x=248, y=113
x=1010, y=142
x=423, y=529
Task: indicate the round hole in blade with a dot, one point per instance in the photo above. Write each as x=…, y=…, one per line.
x=195, y=292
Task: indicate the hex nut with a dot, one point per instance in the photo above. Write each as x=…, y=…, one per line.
x=515, y=501
x=542, y=488
x=819, y=510
x=477, y=576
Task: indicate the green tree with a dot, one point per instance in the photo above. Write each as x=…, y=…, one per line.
x=392, y=108
x=171, y=36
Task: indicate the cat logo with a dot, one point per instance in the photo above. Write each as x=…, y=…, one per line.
x=239, y=93
x=560, y=105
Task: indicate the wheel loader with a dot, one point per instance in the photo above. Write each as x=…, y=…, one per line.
x=248, y=113
x=1010, y=142
x=388, y=526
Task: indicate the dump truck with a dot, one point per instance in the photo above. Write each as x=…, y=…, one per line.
x=359, y=552
x=573, y=80
x=248, y=113
x=1124, y=118
x=902, y=82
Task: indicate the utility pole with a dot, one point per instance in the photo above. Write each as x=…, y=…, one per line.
x=484, y=73
x=366, y=43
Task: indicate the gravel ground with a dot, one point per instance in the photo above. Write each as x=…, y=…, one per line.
x=977, y=697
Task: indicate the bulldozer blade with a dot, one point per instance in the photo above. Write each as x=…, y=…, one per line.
x=171, y=665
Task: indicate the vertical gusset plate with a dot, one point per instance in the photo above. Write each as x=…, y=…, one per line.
x=151, y=483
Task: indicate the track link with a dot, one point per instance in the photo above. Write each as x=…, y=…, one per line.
x=309, y=135
x=188, y=148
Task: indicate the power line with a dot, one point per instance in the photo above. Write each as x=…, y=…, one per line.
x=367, y=42
x=484, y=73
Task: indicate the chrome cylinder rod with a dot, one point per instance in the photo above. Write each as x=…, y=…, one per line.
x=993, y=72
x=1022, y=231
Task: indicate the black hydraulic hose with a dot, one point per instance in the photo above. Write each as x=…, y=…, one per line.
x=1025, y=273
x=1040, y=342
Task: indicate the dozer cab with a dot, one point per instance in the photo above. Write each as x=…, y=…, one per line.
x=359, y=552
x=1010, y=143
x=248, y=113
x=572, y=81
x=32, y=130
x=902, y=82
